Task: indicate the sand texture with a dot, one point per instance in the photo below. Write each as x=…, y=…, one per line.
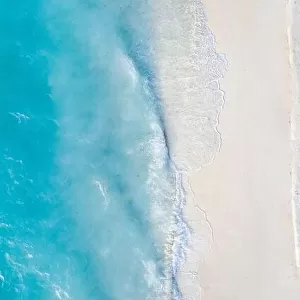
x=239, y=162
x=247, y=191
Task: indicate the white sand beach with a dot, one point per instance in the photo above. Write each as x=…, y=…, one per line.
x=294, y=44
x=246, y=192
x=240, y=201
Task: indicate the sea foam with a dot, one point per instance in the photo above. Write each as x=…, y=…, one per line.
x=188, y=69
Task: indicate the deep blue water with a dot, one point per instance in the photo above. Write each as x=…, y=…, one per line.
x=87, y=193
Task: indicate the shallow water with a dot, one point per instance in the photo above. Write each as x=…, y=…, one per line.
x=88, y=193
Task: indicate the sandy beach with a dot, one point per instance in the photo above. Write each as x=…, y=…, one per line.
x=246, y=192
x=294, y=45
x=240, y=195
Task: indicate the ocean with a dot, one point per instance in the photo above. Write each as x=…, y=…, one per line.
x=91, y=203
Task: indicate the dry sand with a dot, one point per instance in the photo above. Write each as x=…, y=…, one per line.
x=246, y=192
x=294, y=44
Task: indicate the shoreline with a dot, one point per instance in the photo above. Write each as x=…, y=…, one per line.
x=189, y=71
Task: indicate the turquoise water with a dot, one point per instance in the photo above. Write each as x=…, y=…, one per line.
x=90, y=203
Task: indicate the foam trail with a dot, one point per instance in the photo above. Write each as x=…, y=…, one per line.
x=189, y=71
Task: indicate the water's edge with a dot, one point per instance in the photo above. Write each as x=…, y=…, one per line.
x=189, y=72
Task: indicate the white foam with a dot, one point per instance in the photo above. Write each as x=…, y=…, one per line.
x=4, y=225
x=19, y=116
x=60, y=293
x=126, y=66
x=100, y=187
x=189, y=70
